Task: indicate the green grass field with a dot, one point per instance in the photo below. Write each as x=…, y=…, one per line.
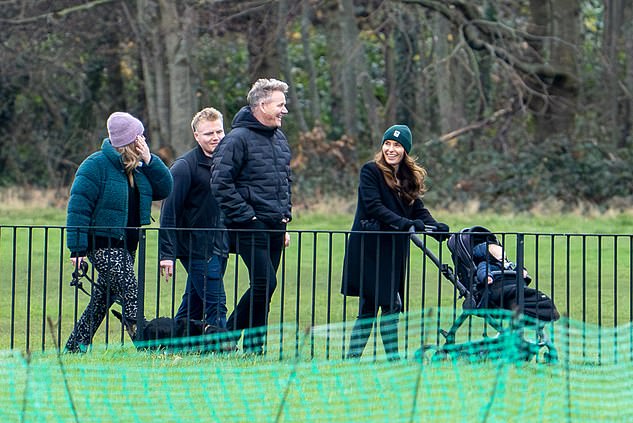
x=302, y=378
x=125, y=385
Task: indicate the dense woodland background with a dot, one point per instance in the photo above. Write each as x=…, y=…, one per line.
x=514, y=104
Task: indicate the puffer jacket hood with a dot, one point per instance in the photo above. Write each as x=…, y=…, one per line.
x=245, y=119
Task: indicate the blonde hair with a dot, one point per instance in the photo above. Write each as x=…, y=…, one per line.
x=130, y=158
x=408, y=182
x=208, y=113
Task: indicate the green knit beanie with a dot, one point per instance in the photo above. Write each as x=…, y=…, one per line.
x=399, y=133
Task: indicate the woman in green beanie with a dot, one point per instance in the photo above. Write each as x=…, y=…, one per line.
x=389, y=201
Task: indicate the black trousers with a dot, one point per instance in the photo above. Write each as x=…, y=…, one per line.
x=368, y=312
x=260, y=245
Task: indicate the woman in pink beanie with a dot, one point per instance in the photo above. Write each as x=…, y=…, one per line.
x=110, y=198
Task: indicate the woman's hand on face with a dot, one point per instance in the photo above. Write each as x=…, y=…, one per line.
x=143, y=149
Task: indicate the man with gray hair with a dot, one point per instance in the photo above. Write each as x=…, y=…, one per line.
x=251, y=182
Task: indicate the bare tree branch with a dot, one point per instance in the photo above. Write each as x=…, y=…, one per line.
x=56, y=14
x=475, y=125
x=478, y=35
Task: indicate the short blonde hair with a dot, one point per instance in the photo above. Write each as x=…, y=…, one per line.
x=263, y=88
x=208, y=113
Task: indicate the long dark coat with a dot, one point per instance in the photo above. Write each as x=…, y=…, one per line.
x=375, y=264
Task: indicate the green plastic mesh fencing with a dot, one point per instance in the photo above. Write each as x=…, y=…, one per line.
x=578, y=373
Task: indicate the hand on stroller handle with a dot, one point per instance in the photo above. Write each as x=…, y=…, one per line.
x=438, y=230
x=420, y=226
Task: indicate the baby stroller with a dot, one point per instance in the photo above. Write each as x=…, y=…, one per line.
x=497, y=303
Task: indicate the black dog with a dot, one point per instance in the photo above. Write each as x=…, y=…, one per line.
x=165, y=333
x=179, y=335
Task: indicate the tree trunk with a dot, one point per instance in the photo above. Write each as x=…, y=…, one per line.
x=371, y=105
x=350, y=49
x=154, y=72
x=165, y=50
x=449, y=92
x=617, y=101
x=334, y=60
x=262, y=48
x=175, y=30
x=313, y=91
x=405, y=49
x=391, y=78
x=282, y=43
x=626, y=139
x=559, y=20
x=425, y=113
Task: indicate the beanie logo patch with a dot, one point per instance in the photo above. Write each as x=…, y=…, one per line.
x=396, y=133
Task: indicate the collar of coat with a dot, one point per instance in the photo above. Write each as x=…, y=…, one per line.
x=111, y=153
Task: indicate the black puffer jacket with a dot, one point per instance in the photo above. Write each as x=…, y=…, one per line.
x=191, y=205
x=251, y=172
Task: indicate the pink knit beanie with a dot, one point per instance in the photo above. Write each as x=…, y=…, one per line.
x=123, y=128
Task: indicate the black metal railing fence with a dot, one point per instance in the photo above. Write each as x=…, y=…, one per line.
x=589, y=277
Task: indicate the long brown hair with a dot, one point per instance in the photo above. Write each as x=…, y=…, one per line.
x=408, y=182
x=130, y=158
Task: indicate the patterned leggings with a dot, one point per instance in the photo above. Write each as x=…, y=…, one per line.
x=116, y=282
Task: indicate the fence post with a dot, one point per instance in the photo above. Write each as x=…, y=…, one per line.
x=519, y=270
x=140, y=312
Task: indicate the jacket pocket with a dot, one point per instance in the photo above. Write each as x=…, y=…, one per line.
x=369, y=225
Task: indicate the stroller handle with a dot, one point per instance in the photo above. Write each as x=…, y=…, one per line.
x=446, y=270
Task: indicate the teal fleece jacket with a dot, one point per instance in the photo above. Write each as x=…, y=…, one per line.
x=98, y=202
